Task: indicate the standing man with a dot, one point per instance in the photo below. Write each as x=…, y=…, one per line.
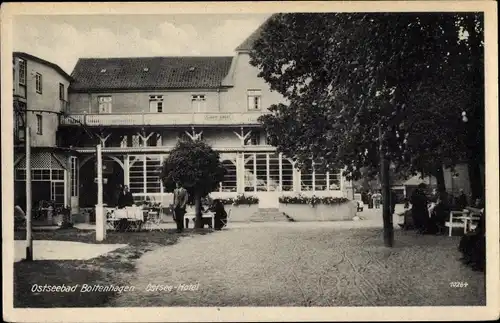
x=180, y=201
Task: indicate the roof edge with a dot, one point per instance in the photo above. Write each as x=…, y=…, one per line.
x=145, y=89
x=44, y=62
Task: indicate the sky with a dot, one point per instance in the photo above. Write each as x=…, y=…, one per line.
x=64, y=39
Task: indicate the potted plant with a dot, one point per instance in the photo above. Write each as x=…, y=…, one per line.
x=242, y=207
x=315, y=208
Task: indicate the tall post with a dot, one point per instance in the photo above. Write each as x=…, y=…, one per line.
x=386, y=191
x=100, y=219
x=29, y=238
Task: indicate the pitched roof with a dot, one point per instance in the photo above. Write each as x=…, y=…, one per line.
x=44, y=62
x=247, y=44
x=136, y=73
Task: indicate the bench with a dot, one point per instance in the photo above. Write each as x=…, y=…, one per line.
x=461, y=219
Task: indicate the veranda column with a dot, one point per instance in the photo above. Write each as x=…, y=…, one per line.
x=280, y=162
x=268, y=177
x=255, y=172
x=126, y=170
x=313, y=178
x=296, y=180
x=67, y=183
x=100, y=225
x=240, y=172
x=341, y=179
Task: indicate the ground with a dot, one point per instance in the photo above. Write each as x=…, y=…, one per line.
x=306, y=265
x=276, y=264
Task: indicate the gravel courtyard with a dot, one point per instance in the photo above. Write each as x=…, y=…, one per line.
x=304, y=264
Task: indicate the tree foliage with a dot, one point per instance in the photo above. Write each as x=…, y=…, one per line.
x=196, y=166
x=349, y=77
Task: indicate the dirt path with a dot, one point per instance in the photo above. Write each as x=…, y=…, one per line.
x=304, y=265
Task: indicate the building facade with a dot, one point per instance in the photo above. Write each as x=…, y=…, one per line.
x=40, y=96
x=138, y=108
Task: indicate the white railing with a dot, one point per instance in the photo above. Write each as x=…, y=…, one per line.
x=160, y=119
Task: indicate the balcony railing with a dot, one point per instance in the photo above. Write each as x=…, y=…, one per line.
x=161, y=119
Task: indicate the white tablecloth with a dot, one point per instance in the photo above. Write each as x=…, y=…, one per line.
x=131, y=213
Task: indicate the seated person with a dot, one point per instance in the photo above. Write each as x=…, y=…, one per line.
x=439, y=214
x=125, y=198
x=473, y=246
x=220, y=216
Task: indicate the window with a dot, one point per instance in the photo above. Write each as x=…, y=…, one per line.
x=39, y=125
x=38, y=84
x=105, y=104
x=22, y=72
x=61, y=91
x=254, y=99
x=198, y=102
x=156, y=103
x=253, y=139
x=57, y=174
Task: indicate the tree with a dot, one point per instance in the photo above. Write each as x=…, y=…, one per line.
x=197, y=167
x=369, y=90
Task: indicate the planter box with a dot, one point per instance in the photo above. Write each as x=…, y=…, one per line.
x=320, y=212
x=241, y=213
x=79, y=218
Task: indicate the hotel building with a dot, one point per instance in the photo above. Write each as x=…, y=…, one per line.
x=138, y=108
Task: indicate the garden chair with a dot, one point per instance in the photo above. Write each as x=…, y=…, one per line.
x=153, y=221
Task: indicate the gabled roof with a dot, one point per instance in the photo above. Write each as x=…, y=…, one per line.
x=143, y=73
x=44, y=62
x=247, y=44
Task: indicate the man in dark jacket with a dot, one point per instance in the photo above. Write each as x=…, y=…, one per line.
x=180, y=201
x=419, y=209
x=125, y=198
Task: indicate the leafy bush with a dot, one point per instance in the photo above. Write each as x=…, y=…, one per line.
x=241, y=199
x=312, y=200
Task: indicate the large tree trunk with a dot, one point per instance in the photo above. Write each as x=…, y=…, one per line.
x=386, y=194
x=197, y=206
x=476, y=185
x=441, y=185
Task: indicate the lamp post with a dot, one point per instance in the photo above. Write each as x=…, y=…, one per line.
x=29, y=238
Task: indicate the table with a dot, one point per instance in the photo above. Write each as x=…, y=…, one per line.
x=133, y=215
x=192, y=216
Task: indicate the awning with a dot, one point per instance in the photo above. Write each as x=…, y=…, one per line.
x=43, y=160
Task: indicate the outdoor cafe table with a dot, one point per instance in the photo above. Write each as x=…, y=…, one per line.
x=133, y=215
x=192, y=216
